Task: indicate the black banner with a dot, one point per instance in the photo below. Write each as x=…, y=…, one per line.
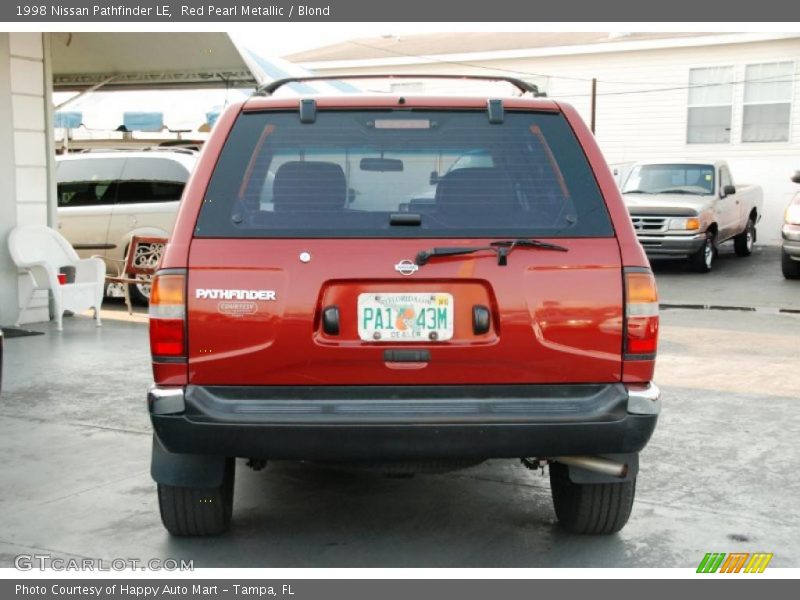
x=340, y=589
x=452, y=11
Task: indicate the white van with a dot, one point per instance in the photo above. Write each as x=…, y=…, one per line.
x=107, y=197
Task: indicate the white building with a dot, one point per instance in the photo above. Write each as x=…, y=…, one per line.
x=672, y=96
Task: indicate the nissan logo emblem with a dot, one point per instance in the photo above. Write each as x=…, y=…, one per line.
x=406, y=267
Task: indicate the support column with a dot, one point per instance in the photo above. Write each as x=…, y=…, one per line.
x=26, y=193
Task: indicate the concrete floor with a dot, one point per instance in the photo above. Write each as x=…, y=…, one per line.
x=719, y=474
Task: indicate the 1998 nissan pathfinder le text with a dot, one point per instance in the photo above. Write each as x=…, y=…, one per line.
x=428, y=281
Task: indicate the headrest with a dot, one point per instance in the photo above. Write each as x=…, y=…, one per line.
x=309, y=185
x=480, y=189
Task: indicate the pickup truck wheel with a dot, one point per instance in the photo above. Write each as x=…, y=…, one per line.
x=596, y=508
x=192, y=511
x=743, y=243
x=790, y=268
x=703, y=259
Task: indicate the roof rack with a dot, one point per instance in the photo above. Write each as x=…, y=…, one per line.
x=523, y=86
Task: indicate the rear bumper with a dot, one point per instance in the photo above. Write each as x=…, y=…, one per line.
x=414, y=422
x=672, y=245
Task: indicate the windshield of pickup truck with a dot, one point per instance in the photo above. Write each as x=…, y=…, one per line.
x=671, y=179
x=404, y=173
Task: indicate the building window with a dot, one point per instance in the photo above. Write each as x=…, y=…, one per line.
x=767, y=102
x=710, y=98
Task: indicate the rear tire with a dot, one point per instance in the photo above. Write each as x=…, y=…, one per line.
x=743, y=243
x=790, y=268
x=702, y=261
x=596, y=508
x=192, y=511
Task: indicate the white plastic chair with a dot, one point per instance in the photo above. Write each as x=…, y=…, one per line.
x=40, y=252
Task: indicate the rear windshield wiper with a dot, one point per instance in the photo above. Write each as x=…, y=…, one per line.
x=502, y=248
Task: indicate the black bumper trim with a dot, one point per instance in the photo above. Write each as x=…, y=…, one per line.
x=390, y=405
x=171, y=360
x=390, y=422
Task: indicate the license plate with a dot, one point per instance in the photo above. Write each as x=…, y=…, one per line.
x=418, y=317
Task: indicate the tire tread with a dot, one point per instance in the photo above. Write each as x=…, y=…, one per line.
x=740, y=241
x=188, y=511
x=595, y=509
x=790, y=268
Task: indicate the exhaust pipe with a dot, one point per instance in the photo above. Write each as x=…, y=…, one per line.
x=595, y=464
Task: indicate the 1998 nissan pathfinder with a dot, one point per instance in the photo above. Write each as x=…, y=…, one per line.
x=316, y=301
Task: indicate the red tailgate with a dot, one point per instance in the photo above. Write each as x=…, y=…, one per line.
x=555, y=317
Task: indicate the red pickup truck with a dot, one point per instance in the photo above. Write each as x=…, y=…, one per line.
x=402, y=282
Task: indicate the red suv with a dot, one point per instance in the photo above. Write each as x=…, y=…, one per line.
x=402, y=282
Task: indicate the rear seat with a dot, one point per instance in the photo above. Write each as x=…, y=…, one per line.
x=475, y=196
x=309, y=186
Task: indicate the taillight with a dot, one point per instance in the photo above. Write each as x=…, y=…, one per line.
x=641, y=314
x=168, y=315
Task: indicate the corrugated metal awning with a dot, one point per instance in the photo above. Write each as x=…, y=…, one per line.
x=115, y=61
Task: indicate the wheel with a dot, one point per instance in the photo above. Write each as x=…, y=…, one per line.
x=590, y=508
x=140, y=292
x=189, y=511
x=703, y=259
x=790, y=268
x=743, y=243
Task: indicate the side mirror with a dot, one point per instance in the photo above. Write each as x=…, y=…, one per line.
x=728, y=190
x=796, y=177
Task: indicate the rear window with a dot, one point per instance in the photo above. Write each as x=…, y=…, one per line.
x=154, y=169
x=125, y=180
x=136, y=192
x=151, y=180
x=402, y=174
x=89, y=182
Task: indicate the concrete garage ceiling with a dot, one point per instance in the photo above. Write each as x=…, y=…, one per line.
x=126, y=61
